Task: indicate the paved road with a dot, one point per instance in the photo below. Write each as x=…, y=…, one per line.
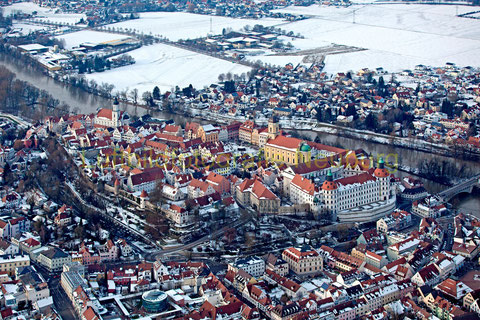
x=62, y=304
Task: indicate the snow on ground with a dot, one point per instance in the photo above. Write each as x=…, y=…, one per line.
x=26, y=28
x=74, y=39
x=166, y=66
x=276, y=60
x=372, y=59
x=182, y=25
x=26, y=7
x=43, y=13
x=398, y=36
x=64, y=18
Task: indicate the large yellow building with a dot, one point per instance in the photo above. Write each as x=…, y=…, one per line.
x=288, y=150
x=279, y=148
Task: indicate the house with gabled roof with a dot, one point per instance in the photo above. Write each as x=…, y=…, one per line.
x=453, y=289
x=146, y=180
x=428, y=275
x=198, y=188
x=219, y=183
x=253, y=193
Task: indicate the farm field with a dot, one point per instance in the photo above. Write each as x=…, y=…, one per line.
x=396, y=36
x=43, y=13
x=181, y=25
x=166, y=67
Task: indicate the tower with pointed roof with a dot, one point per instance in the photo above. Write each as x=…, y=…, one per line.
x=329, y=188
x=115, y=113
x=382, y=174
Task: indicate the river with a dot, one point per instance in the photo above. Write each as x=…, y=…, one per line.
x=78, y=99
x=84, y=102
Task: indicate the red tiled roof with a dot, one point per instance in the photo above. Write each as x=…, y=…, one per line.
x=215, y=178
x=148, y=175
x=360, y=178
x=262, y=192
x=381, y=173
x=312, y=166
x=329, y=185
x=105, y=113
x=305, y=184
x=198, y=184
x=285, y=142
x=89, y=314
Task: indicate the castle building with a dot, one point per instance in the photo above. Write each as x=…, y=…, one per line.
x=364, y=197
x=111, y=118
x=303, y=190
x=315, y=170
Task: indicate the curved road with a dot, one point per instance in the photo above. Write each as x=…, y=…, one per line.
x=247, y=217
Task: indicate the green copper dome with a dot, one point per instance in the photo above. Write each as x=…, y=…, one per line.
x=305, y=148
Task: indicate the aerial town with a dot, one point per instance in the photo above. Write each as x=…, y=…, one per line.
x=272, y=188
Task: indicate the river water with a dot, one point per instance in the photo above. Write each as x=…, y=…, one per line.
x=78, y=99
x=84, y=102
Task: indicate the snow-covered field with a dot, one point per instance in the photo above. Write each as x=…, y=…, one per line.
x=74, y=39
x=26, y=28
x=63, y=18
x=182, y=25
x=43, y=14
x=25, y=7
x=166, y=67
x=397, y=36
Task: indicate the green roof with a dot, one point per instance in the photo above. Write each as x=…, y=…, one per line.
x=305, y=148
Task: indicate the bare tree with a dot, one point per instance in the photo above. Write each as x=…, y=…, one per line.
x=147, y=98
x=134, y=95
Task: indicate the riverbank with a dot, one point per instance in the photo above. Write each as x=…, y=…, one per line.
x=312, y=125
x=88, y=103
x=298, y=124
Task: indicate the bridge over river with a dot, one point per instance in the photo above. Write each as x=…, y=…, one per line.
x=464, y=186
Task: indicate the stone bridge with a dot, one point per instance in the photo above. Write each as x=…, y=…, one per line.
x=464, y=186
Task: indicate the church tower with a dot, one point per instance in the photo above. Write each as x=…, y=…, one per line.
x=273, y=128
x=115, y=114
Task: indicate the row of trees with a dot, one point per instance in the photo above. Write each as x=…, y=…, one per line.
x=443, y=171
x=20, y=98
